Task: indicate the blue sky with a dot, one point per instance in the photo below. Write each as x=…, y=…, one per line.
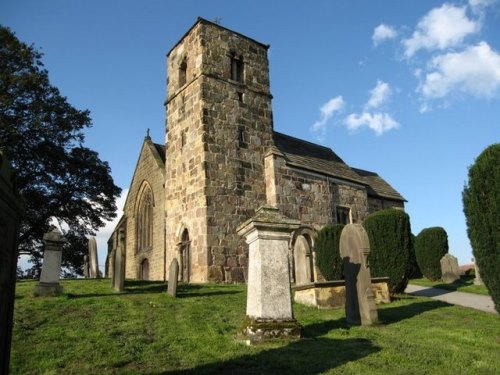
x=409, y=89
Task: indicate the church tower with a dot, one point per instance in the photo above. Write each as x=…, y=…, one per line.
x=219, y=125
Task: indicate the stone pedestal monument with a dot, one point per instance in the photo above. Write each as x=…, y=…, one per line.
x=94, y=262
x=118, y=279
x=269, y=304
x=449, y=269
x=51, y=267
x=11, y=209
x=360, y=307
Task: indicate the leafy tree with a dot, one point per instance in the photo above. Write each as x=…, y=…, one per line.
x=43, y=137
x=327, y=252
x=390, y=245
x=431, y=244
x=481, y=199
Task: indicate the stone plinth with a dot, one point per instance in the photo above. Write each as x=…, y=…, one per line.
x=269, y=303
x=360, y=305
x=449, y=269
x=51, y=267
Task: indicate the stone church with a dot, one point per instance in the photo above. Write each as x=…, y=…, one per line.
x=221, y=161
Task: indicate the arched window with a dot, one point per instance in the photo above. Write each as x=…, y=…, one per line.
x=236, y=68
x=182, y=72
x=145, y=221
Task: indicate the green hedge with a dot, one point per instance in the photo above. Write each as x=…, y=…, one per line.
x=327, y=252
x=430, y=246
x=413, y=268
x=482, y=211
x=390, y=242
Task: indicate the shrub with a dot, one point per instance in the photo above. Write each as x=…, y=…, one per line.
x=327, y=252
x=390, y=242
x=413, y=268
x=430, y=246
x=482, y=211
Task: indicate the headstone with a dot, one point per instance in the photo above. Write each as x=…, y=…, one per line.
x=360, y=307
x=449, y=269
x=119, y=264
x=477, y=279
x=173, y=275
x=94, y=262
x=269, y=305
x=51, y=267
x=86, y=266
x=11, y=209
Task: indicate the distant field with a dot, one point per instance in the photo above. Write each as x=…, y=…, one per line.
x=464, y=284
x=92, y=330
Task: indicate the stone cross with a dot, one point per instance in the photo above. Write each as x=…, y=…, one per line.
x=173, y=275
x=269, y=305
x=449, y=269
x=94, y=262
x=119, y=263
x=51, y=267
x=477, y=279
x=360, y=305
x=11, y=209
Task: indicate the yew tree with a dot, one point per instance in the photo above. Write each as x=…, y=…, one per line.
x=42, y=134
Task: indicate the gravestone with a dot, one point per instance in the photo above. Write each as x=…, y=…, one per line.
x=11, y=209
x=360, y=305
x=119, y=263
x=449, y=269
x=269, y=304
x=477, y=278
x=94, y=262
x=51, y=267
x=173, y=275
x=86, y=266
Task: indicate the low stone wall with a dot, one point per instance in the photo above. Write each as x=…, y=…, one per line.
x=331, y=294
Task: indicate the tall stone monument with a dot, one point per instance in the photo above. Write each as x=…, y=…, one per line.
x=51, y=267
x=86, y=266
x=173, y=276
x=11, y=209
x=94, y=261
x=119, y=263
x=269, y=304
x=449, y=269
x=360, y=307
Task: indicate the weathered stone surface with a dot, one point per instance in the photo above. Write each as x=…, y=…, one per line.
x=93, y=260
x=449, y=269
x=86, y=266
x=119, y=264
x=331, y=294
x=269, y=305
x=354, y=249
x=11, y=208
x=51, y=267
x=477, y=278
x=173, y=276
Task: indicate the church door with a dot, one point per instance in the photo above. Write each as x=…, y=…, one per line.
x=144, y=270
x=185, y=256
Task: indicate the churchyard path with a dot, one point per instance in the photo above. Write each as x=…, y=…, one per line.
x=475, y=301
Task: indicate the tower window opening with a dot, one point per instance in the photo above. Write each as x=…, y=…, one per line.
x=236, y=68
x=182, y=73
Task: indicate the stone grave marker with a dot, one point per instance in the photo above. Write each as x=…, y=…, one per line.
x=449, y=269
x=11, y=209
x=173, y=276
x=477, y=278
x=119, y=263
x=51, y=267
x=360, y=307
x=269, y=304
x=94, y=262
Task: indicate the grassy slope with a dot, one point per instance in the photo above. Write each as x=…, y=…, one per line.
x=464, y=284
x=90, y=329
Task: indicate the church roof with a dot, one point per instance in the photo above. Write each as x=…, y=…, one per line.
x=161, y=151
x=323, y=160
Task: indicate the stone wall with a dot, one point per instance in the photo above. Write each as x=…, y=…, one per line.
x=377, y=204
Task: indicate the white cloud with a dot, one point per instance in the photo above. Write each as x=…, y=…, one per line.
x=379, y=95
x=327, y=111
x=475, y=71
x=441, y=28
x=382, y=33
x=481, y=4
x=378, y=122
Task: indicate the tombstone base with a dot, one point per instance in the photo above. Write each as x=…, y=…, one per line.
x=48, y=290
x=255, y=331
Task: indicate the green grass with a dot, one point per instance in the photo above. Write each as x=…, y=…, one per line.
x=92, y=330
x=464, y=284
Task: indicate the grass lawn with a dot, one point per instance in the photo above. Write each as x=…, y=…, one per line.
x=464, y=284
x=92, y=330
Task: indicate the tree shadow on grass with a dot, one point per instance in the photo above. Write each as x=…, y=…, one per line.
x=311, y=355
x=396, y=314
